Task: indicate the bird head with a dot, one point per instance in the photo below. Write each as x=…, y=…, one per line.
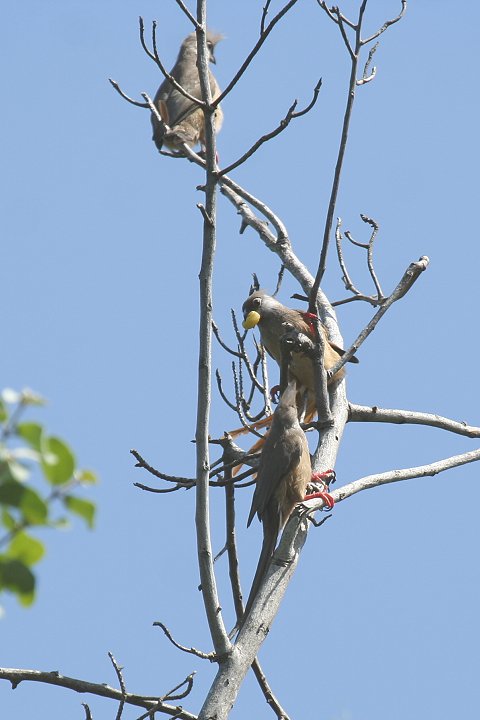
x=189, y=45
x=212, y=40
x=256, y=306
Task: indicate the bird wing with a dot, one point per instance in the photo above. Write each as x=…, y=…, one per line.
x=277, y=460
x=340, y=351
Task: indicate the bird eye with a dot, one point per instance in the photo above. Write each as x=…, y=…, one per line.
x=209, y=44
x=257, y=302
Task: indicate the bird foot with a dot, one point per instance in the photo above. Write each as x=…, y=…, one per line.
x=318, y=487
x=325, y=478
x=326, y=497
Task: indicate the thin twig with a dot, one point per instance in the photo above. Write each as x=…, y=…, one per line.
x=116, y=86
x=354, y=52
x=283, y=124
x=343, y=33
x=231, y=544
x=347, y=281
x=222, y=344
x=344, y=19
x=264, y=16
x=180, y=696
x=366, y=77
x=225, y=399
x=371, y=268
x=340, y=157
x=187, y=12
x=254, y=52
x=271, y=699
x=170, y=696
x=387, y=24
x=411, y=274
x=183, y=648
x=142, y=463
x=118, y=671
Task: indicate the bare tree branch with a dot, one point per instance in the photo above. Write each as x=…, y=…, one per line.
x=170, y=696
x=347, y=280
x=118, y=671
x=354, y=52
x=284, y=123
x=88, y=714
x=412, y=273
x=363, y=413
x=263, y=36
x=16, y=676
x=387, y=24
x=371, y=481
x=202, y=514
x=271, y=699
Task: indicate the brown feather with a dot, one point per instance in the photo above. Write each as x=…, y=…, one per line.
x=185, y=119
x=283, y=476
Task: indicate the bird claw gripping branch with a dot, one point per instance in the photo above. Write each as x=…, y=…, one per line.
x=321, y=480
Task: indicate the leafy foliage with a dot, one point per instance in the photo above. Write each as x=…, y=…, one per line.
x=29, y=455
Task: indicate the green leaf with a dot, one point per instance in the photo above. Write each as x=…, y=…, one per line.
x=3, y=412
x=8, y=521
x=18, y=471
x=5, y=473
x=26, y=548
x=32, y=433
x=84, y=508
x=88, y=477
x=32, y=506
x=58, y=462
x=16, y=577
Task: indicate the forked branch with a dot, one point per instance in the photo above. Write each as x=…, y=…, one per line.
x=354, y=48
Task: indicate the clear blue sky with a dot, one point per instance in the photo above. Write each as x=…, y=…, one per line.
x=101, y=244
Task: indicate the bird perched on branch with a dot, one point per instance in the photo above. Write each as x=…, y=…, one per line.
x=184, y=118
x=270, y=316
x=284, y=474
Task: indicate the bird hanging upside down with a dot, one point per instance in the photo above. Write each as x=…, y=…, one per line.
x=184, y=118
x=270, y=316
x=284, y=474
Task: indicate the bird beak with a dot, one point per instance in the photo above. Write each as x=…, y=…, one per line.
x=252, y=319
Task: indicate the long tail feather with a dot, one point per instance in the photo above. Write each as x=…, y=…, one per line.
x=268, y=546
